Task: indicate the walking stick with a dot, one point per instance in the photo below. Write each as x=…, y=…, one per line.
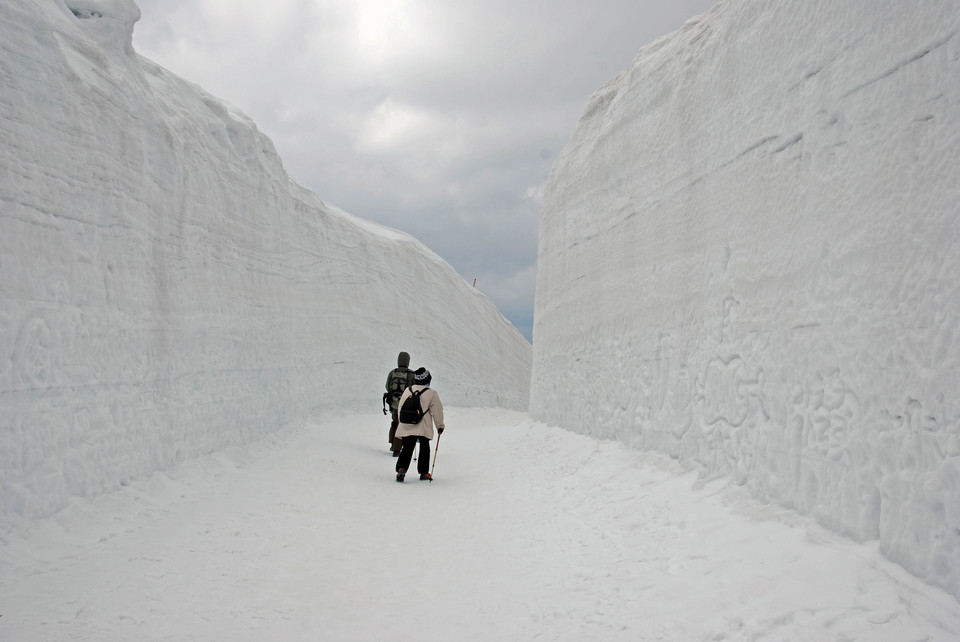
x=435, y=451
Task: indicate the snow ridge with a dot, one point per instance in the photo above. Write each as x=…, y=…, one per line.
x=748, y=258
x=167, y=290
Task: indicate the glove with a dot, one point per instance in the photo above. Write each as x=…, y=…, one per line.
x=439, y=431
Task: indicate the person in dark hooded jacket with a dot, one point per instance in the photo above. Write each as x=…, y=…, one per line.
x=398, y=380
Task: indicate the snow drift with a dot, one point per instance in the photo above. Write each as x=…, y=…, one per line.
x=748, y=260
x=167, y=289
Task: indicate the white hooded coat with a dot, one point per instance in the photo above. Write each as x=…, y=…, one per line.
x=432, y=413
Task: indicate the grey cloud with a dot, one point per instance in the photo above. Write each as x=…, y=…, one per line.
x=445, y=127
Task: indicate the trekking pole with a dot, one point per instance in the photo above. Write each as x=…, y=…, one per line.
x=435, y=451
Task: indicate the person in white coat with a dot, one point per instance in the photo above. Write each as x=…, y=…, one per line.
x=412, y=434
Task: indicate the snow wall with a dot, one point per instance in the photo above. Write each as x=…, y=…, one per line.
x=750, y=260
x=168, y=291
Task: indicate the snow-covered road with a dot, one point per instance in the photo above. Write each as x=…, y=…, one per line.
x=528, y=533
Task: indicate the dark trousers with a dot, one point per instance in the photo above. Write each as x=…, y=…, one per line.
x=392, y=437
x=423, y=459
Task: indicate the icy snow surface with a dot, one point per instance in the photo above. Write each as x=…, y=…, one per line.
x=749, y=261
x=306, y=537
x=167, y=291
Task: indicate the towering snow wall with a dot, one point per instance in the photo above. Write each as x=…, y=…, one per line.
x=750, y=260
x=168, y=291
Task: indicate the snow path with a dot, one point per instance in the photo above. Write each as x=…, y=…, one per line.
x=529, y=532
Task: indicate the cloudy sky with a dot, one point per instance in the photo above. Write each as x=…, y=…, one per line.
x=439, y=118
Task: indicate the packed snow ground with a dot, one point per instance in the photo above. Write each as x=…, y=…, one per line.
x=529, y=531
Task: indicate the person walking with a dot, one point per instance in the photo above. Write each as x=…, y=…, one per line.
x=419, y=433
x=398, y=380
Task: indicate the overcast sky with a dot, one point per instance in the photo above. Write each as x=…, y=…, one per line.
x=439, y=118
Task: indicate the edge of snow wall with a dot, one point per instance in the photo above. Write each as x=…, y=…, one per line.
x=168, y=291
x=748, y=260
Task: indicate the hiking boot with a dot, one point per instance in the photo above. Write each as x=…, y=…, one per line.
x=426, y=477
x=400, y=474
